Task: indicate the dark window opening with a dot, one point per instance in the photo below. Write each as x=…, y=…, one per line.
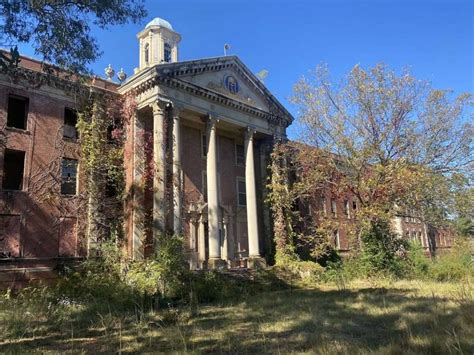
x=70, y=122
x=354, y=205
x=68, y=176
x=167, y=54
x=13, y=166
x=17, y=111
x=204, y=145
x=241, y=192
x=239, y=154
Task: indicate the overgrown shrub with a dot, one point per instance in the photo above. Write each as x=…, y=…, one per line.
x=418, y=265
x=454, y=265
x=383, y=252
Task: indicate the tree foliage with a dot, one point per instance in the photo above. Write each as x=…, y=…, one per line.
x=389, y=141
x=393, y=137
x=60, y=30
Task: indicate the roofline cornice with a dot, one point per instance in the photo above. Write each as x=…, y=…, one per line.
x=169, y=74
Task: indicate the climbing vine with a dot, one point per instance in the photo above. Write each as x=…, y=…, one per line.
x=100, y=126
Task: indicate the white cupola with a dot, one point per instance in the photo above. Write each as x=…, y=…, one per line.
x=158, y=43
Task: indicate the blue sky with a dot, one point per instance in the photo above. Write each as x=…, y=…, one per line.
x=289, y=38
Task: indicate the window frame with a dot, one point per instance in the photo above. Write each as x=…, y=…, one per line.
x=236, y=155
x=333, y=208
x=67, y=108
x=167, y=52
x=22, y=182
x=26, y=101
x=337, y=239
x=238, y=193
x=76, y=187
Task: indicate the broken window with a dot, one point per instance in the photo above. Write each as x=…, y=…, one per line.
x=68, y=176
x=17, y=111
x=13, y=166
x=70, y=122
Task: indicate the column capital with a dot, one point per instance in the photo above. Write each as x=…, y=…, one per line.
x=211, y=120
x=159, y=107
x=250, y=132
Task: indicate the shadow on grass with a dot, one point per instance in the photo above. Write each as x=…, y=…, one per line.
x=382, y=320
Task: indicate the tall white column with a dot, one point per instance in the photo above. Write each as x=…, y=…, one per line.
x=212, y=197
x=159, y=164
x=138, y=216
x=252, y=224
x=177, y=183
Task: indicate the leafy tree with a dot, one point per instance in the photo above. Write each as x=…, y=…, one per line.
x=390, y=141
x=59, y=30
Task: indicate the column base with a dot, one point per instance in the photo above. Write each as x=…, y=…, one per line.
x=256, y=262
x=216, y=264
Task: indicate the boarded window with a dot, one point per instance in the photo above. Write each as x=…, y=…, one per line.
x=70, y=122
x=68, y=237
x=13, y=166
x=68, y=176
x=17, y=111
x=239, y=154
x=241, y=192
x=9, y=236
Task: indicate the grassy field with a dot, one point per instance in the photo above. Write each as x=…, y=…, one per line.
x=378, y=317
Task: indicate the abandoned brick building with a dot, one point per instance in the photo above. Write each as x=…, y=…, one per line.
x=212, y=123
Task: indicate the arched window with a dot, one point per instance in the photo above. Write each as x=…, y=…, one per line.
x=147, y=53
x=167, y=53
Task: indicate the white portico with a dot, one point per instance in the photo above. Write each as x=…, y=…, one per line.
x=199, y=146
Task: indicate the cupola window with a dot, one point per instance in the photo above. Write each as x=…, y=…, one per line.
x=147, y=53
x=167, y=53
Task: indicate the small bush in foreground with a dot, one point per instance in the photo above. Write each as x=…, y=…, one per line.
x=453, y=266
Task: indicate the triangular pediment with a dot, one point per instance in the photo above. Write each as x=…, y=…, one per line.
x=230, y=82
x=226, y=76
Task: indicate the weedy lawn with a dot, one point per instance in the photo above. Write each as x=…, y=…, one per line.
x=361, y=317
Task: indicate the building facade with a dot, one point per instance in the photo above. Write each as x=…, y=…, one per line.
x=212, y=124
x=206, y=127
x=196, y=155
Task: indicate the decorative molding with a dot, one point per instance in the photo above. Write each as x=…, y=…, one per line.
x=169, y=74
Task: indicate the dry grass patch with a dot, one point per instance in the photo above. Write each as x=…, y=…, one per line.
x=410, y=317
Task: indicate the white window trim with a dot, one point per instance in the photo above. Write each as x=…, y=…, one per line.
x=237, y=180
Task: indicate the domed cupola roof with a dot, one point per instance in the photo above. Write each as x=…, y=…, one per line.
x=159, y=22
